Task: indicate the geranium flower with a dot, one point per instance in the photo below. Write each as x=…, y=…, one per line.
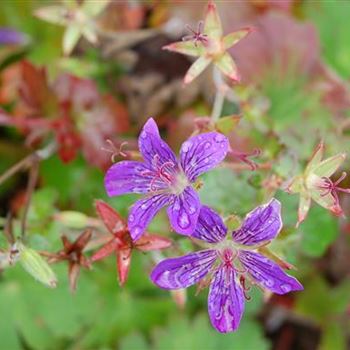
x=165, y=180
x=228, y=263
x=209, y=46
x=315, y=183
x=120, y=242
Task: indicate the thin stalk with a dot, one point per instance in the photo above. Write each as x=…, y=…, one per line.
x=33, y=176
x=219, y=96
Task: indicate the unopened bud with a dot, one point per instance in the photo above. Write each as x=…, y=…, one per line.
x=72, y=219
x=36, y=266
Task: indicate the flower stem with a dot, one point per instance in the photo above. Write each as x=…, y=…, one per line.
x=219, y=97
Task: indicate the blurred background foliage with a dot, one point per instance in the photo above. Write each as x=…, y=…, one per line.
x=295, y=73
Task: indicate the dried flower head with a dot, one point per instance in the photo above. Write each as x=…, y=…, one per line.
x=315, y=183
x=209, y=46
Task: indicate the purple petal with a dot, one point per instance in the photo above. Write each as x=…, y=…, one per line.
x=184, y=211
x=202, y=152
x=183, y=271
x=10, y=36
x=262, y=224
x=225, y=300
x=154, y=150
x=210, y=227
x=267, y=273
x=127, y=177
x=143, y=211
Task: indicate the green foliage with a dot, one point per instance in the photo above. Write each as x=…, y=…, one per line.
x=319, y=231
x=197, y=333
x=332, y=21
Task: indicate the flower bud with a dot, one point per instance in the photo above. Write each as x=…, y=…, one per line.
x=72, y=219
x=36, y=266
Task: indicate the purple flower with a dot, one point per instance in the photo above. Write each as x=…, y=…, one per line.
x=228, y=263
x=165, y=180
x=10, y=36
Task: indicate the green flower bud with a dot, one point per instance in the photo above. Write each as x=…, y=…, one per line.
x=36, y=266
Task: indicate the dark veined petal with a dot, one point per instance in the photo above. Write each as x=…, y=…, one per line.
x=154, y=150
x=262, y=224
x=183, y=271
x=127, y=177
x=225, y=300
x=267, y=273
x=143, y=211
x=184, y=211
x=202, y=152
x=110, y=217
x=210, y=227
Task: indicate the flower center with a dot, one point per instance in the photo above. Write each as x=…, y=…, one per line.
x=180, y=183
x=330, y=187
x=162, y=176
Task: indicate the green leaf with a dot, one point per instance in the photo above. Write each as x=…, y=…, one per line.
x=222, y=190
x=203, y=336
x=333, y=338
x=134, y=341
x=314, y=301
x=319, y=231
x=227, y=124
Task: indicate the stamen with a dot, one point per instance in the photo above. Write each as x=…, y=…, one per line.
x=197, y=35
x=332, y=188
x=162, y=173
x=244, y=157
x=114, y=150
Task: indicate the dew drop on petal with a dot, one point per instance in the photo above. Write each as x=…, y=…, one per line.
x=286, y=288
x=219, y=138
x=186, y=146
x=184, y=220
x=177, y=206
x=137, y=230
x=131, y=218
x=144, y=134
x=269, y=283
x=207, y=145
x=206, y=160
x=192, y=210
x=144, y=206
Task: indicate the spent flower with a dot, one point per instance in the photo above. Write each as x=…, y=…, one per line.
x=164, y=180
x=210, y=46
x=315, y=184
x=229, y=263
x=77, y=18
x=74, y=255
x=120, y=243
